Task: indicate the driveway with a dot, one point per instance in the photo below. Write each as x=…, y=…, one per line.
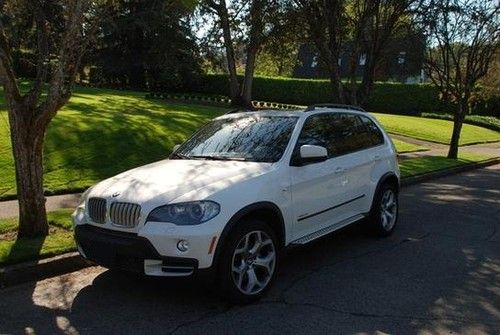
x=438, y=274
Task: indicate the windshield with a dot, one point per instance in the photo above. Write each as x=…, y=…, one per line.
x=248, y=138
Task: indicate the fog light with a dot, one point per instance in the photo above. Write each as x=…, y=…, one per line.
x=183, y=245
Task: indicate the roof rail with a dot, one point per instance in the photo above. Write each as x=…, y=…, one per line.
x=238, y=110
x=338, y=106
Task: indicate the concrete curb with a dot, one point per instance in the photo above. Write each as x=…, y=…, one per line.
x=69, y=262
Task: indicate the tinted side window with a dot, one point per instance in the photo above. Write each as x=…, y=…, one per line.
x=339, y=133
x=352, y=134
x=376, y=137
x=315, y=131
x=336, y=132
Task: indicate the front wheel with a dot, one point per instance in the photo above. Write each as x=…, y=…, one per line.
x=384, y=212
x=248, y=262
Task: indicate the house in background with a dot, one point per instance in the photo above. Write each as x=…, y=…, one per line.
x=402, y=61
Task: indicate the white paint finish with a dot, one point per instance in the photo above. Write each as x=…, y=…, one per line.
x=313, y=151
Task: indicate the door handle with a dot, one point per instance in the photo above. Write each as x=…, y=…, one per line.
x=339, y=170
x=377, y=158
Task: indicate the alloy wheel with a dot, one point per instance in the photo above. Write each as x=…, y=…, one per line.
x=253, y=262
x=388, y=209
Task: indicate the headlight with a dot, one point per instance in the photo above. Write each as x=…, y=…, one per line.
x=185, y=213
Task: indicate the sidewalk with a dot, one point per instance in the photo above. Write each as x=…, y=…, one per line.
x=438, y=149
x=10, y=208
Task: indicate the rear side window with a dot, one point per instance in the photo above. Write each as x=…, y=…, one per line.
x=376, y=137
x=339, y=133
x=354, y=135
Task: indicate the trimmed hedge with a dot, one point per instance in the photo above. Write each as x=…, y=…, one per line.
x=393, y=98
x=406, y=99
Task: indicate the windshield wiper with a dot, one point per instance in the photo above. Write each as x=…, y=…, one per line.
x=179, y=156
x=218, y=158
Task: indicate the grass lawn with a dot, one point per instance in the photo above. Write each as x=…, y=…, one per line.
x=435, y=130
x=419, y=165
x=403, y=147
x=60, y=240
x=100, y=133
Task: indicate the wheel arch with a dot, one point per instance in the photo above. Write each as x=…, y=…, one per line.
x=264, y=210
x=391, y=179
x=388, y=178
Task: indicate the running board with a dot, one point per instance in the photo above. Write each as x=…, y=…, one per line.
x=327, y=230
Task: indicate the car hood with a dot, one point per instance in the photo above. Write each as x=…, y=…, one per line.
x=168, y=179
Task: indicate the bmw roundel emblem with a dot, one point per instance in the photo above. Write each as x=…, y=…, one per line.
x=114, y=195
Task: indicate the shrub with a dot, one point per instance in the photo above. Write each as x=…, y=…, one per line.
x=487, y=105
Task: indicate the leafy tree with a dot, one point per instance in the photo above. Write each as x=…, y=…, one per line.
x=62, y=31
x=59, y=33
x=487, y=96
x=279, y=52
x=364, y=25
x=464, y=36
x=146, y=44
x=248, y=23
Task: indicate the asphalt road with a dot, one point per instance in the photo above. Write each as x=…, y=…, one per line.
x=439, y=273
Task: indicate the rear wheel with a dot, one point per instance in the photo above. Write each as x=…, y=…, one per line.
x=248, y=262
x=384, y=212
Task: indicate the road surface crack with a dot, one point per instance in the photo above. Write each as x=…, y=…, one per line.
x=375, y=315
x=202, y=318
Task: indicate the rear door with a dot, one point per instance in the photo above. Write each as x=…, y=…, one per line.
x=355, y=156
x=374, y=149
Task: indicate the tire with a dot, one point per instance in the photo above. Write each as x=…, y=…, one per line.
x=246, y=270
x=384, y=211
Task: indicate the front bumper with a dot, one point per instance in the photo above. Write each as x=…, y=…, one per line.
x=130, y=252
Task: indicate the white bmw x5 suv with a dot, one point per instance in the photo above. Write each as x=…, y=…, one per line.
x=242, y=188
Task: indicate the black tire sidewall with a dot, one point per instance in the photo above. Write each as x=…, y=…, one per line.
x=225, y=276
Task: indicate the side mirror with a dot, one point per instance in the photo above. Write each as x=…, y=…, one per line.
x=176, y=147
x=313, y=153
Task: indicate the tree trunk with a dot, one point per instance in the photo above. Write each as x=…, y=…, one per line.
x=234, y=85
x=27, y=148
x=366, y=85
x=353, y=65
x=246, y=94
x=458, y=121
x=336, y=85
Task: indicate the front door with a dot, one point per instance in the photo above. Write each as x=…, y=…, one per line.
x=318, y=189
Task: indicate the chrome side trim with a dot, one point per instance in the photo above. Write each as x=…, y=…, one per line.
x=327, y=230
